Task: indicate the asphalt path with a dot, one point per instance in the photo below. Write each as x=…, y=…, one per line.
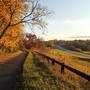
x=9, y=71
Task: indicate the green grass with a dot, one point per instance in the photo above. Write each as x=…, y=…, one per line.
x=40, y=75
x=79, y=59
x=69, y=53
x=16, y=52
x=2, y=55
x=37, y=75
x=86, y=52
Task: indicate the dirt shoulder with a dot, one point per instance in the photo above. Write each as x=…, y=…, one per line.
x=9, y=56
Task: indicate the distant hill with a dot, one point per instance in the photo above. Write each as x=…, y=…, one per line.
x=75, y=45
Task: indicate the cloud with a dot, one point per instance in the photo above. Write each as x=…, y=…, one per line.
x=69, y=21
x=80, y=37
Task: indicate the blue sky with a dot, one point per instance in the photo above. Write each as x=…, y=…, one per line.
x=71, y=19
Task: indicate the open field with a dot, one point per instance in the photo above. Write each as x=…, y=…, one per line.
x=86, y=52
x=38, y=74
x=68, y=79
x=79, y=59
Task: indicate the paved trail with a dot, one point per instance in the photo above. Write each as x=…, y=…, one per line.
x=10, y=70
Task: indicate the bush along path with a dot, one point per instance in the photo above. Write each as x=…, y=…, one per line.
x=36, y=76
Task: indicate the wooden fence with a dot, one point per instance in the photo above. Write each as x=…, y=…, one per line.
x=63, y=66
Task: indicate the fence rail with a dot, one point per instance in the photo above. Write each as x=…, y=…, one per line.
x=63, y=66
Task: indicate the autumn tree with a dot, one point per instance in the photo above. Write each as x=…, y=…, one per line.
x=50, y=43
x=14, y=12
x=14, y=15
x=12, y=39
x=31, y=40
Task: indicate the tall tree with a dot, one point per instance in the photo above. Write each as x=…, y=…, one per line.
x=15, y=12
x=12, y=39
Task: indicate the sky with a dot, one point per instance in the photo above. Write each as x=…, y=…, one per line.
x=71, y=20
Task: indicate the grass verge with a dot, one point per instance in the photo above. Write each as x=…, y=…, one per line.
x=36, y=76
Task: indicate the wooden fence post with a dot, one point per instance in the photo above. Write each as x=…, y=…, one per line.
x=62, y=68
x=53, y=62
x=48, y=60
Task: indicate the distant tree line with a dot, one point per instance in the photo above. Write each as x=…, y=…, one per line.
x=76, y=45
x=31, y=40
x=26, y=42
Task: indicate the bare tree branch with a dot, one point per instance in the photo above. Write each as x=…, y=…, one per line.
x=21, y=21
x=18, y=15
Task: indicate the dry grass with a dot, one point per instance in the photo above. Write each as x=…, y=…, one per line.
x=68, y=76
x=36, y=75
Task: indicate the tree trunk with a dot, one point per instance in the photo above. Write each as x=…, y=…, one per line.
x=4, y=31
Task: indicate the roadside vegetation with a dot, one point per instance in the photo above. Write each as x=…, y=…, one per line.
x=37, y=75
x=67, y=58
x=1, y=55
x=4, y=57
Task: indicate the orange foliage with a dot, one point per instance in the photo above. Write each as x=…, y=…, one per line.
x=12, y=39
x=10, y=12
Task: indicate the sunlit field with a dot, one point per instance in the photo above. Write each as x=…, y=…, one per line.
x=79, y=59
x=44, y=44
x=70, y=79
